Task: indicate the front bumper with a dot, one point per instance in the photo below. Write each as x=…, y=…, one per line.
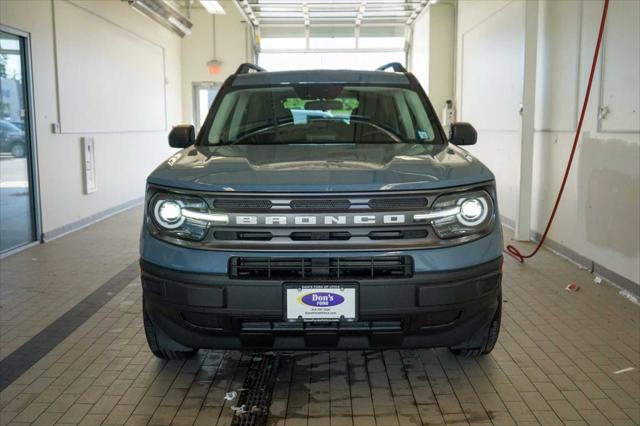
x=430, y=309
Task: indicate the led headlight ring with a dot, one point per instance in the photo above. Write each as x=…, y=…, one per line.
x=473, y=211
x=168, y=213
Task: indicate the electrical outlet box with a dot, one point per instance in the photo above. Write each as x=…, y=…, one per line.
x=89, y=165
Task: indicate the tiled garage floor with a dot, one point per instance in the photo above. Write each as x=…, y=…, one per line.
x=555, y=361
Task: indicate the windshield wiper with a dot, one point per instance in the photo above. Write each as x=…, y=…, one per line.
x=270, y=125
x=366, y=120
x=273, y=125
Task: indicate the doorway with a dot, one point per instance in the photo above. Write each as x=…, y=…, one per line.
x=203, y=95
x=19, y=224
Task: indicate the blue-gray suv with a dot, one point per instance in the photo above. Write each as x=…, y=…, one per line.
x=321, y=210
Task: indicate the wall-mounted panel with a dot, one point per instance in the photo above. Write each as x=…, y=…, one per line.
x=109, y=79
x=492, y=60
x=558, y=65
x=620, y=87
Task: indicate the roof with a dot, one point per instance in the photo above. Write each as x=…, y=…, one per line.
x=320, y=76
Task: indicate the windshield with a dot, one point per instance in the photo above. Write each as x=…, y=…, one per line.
x=321, y=113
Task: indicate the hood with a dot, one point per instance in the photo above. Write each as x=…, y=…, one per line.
x=320, y=168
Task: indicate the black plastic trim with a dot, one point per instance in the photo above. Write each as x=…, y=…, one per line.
x=247, y=67
x=429, y=310
x=420, y=277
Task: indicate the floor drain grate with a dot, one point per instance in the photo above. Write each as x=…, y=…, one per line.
x=254, y=400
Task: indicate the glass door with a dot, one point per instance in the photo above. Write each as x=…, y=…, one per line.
x=17, y=201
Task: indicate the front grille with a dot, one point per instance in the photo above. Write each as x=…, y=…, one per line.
x=247, y=236
x=243, y=204
x=311, y=268
x=319, y=235
x=334, y=223
x=320, y=204
x=393, y=203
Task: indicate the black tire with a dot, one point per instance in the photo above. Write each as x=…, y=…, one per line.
x=18, y=150
x=483, y=342
x=162, y=345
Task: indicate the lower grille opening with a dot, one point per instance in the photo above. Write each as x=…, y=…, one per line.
x=320, y=236
x=307, y=268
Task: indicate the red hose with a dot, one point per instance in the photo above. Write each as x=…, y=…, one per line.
x=512, y=250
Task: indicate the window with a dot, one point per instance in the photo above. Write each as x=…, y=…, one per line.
x=283, y=43
x=335, y=60
x=332, y=43
x=321, y=113
x=381, y=43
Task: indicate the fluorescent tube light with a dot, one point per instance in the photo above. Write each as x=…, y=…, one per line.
x=213, y=6
x=163, y=13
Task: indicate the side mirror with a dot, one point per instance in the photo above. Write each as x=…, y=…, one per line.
x=462, y=134
x=182, y=136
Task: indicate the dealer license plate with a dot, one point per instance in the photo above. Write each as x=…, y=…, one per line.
x=321, y=303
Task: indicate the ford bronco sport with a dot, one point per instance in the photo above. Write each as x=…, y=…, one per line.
x=321, y=210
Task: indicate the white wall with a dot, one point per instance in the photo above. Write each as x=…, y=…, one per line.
x=489, y=87
x=599, y=215
x=419, y=53
x=123, y=157
x=432, y=52
x=197, y=49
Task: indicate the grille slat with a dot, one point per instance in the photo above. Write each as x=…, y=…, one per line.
x=320, y=204
x=394, y=203
x=265, y=268
x=323, y=204
x=242, y=204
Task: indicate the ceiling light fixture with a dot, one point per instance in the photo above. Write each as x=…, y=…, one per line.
x=213, y=7
x=163, y=13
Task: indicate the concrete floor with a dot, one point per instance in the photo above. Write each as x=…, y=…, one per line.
x=554, y=363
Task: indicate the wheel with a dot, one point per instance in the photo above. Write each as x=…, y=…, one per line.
x=17, y=150
x=161, y=345
x=484, y=340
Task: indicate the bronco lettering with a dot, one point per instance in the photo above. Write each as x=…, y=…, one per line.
x=320, y=220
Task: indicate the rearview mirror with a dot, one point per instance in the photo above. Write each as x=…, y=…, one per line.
x=462, y=134
x=182, y=136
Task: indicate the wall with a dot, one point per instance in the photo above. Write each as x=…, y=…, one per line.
x=489, y=87
x=598, y=218
x=123, y=157
x=231, y=48
x=419, y=51
x=432, y=52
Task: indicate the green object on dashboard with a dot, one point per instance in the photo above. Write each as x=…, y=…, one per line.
x=348, y=104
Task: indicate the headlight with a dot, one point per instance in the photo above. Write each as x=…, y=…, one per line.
x=473, y=211
x=169, y=214
x=181, y=216
x=457, y=215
